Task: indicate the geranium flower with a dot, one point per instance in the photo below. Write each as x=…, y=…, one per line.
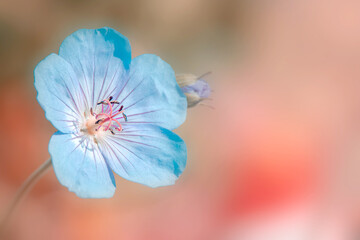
x=113, y=114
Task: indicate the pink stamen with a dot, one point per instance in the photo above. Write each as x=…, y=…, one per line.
x=109, y=104
x=109, y=116
x=104, y=114
x=117, y=113
x=117, y=123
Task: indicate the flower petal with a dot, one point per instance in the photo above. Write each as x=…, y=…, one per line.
x=147, y=154
x=88, y=42
x=96, y=54
x=55, y=82
x=151, y=94
x=80, y=166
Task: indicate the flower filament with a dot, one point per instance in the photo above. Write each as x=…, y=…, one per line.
x=106, y=120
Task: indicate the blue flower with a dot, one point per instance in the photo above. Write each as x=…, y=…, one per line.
x=112, y=113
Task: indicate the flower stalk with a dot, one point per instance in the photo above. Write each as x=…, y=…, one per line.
x=25, y=188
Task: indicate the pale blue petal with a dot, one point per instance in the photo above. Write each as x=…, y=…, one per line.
x=150, y=94
x=80, y=166
x=146, y=154
x=97, y=54
x=58, y=93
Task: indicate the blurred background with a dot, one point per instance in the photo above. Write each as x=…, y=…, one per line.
x=278, y=157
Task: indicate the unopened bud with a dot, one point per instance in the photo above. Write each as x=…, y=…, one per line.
x=195, y=88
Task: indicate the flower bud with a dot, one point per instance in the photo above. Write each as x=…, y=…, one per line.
x=195, y=88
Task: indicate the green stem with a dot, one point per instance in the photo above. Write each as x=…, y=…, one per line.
x=25, y=187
